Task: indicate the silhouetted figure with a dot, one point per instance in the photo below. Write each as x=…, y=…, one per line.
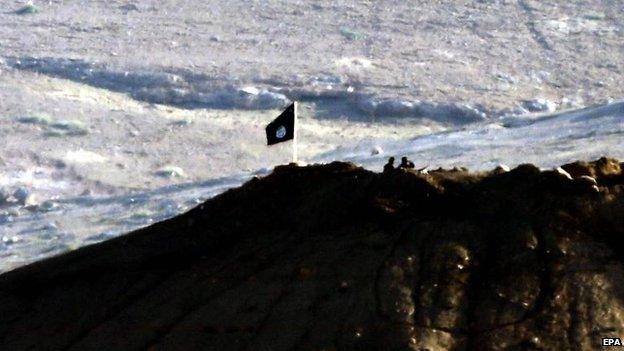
x=389, y=167
x=405, y=163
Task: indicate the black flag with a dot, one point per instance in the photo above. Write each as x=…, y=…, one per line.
x=283, y=127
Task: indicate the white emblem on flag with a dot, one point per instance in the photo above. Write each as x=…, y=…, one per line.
x=280, y=132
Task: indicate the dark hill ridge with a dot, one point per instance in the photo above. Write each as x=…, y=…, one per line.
x=335, y=257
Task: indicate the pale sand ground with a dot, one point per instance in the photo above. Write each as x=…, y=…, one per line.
x=129, y=141
x=490, y=53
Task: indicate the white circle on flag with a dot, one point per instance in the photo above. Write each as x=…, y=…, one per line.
x=280, y=132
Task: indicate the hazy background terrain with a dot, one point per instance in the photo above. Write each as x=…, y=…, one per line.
x=106, y=105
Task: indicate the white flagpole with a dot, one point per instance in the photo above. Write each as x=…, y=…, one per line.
x=295, y=134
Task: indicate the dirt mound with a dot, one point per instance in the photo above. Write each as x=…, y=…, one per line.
x=338, y=257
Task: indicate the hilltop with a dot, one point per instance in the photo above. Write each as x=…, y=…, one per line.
x=338, y=257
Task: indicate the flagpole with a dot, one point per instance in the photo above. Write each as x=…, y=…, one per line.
x=295, y=133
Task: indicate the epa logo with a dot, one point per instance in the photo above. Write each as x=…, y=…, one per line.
x=612, y=342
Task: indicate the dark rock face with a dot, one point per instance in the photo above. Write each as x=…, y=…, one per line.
x=335, y=257
x=604, y=168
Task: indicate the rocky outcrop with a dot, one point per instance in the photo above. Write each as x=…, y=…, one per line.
x=336, y=257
